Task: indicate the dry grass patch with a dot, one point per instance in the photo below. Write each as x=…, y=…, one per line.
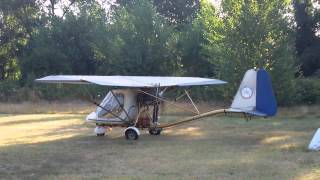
x=60, y=146
x=313, y=174
x=30, y=129
x=46, y=107
x=300, y=111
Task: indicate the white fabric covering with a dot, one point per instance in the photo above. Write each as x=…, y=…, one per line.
x=126, y=97
x=245, y=99
x=109, y=103
x=130, y=81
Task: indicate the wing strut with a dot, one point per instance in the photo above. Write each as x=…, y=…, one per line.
x=170, y=102
x=195, y=107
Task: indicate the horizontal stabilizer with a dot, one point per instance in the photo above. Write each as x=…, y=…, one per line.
x=251, y=112
x=255, y=95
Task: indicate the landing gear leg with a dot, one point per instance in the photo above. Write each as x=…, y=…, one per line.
x=155, y=130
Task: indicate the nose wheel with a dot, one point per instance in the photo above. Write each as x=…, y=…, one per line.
x=100, y=131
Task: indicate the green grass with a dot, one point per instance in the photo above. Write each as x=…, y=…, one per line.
x=60, y=146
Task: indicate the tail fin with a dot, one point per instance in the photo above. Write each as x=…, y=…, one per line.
x=255, y=95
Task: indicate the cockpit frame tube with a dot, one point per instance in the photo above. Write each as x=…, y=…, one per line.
x=121, y=106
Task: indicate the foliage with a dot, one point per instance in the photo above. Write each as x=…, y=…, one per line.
x=307, y=42
x=140, y=42
x=16, y=23
x=153, y=37
x=197, y=38
x=176, y=12
x=256, y=35
x=307, y=91
x=64, y=45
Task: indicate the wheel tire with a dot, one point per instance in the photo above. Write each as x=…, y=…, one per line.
x=155, y=131
x=101, y=134
x=131, y=134
x=100, y=131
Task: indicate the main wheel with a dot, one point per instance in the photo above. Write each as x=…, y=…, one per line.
x=132, y=133
x=155, y=131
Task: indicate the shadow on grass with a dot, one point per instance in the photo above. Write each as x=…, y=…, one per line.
x=90, y=156
x=98, y=156
x=205, y=151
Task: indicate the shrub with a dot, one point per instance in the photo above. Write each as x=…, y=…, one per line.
x=307, y=91
x=8, y=90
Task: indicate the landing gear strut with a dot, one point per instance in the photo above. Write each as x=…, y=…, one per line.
x=155, y=130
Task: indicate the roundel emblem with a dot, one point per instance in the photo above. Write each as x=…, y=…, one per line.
x=246, y=92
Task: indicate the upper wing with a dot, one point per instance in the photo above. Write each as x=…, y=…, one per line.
x=131, y=81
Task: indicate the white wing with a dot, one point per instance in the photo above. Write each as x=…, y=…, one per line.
x=131, y=81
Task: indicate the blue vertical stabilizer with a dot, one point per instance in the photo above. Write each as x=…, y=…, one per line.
x=266, y=102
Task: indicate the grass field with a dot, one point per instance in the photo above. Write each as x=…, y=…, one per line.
x=62, y=146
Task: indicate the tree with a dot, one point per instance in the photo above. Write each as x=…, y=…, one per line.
x=140, y=43
x=176, y=12
x=307, y=43
x=256, y=34
x=17, y=20
x=199, y=41
x=65, y=45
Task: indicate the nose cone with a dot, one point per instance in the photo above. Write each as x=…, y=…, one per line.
x=92, y=117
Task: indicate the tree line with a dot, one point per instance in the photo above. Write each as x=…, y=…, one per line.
x=161, y=37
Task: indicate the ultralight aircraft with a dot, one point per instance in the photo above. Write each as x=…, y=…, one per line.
x=135, y=101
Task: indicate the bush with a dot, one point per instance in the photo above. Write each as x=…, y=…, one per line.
x=13, y=91
x=8, y=90
x=307, y=91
